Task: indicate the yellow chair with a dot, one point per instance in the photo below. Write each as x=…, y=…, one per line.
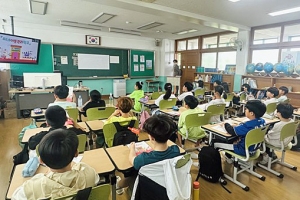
x=82, y=138
x=109, y=131
x=245, y=163
x=100, y=192
x=155, y=95
x=169, y=103
x=217, y=109
x=99, y=113
x=287, y=100
x=243, y=97
x=271, y=107
x=200, y=92
x=229, y=102
x=287, y=131
x=73, y=113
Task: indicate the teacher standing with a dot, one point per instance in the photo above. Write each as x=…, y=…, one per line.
x=176, y=72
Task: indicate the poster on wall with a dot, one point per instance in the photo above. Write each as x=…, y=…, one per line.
x=148, y=64
x=142, y=58
x=142, y=67
x=136, y=67
x=290, y=58
x=135, y=58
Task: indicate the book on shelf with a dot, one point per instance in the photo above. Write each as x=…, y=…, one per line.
x=141, y=147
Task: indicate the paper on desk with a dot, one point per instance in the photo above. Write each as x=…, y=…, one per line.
x=78, y=158
x=220, y=128
x=173, y=113
x=104, y=120
x=141, y=147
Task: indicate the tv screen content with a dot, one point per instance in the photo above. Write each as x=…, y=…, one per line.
x=18, y=49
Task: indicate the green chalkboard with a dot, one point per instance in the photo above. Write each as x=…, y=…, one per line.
x=141, y=63
x=45, y=63
x=71, y=69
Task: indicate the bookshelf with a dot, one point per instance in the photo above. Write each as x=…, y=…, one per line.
x=229, y=78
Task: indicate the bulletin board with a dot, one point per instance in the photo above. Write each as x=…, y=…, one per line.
x=142, y=63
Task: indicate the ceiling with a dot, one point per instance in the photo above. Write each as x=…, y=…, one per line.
x=205, y=16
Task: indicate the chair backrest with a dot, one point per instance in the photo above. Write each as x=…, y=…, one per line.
x=289, y=130
x=99, y=113
x=287, y=100
x=100, y=192
x=199, y=92
x=217, y=109
x=82, y=142
x=255, y=137
x=181, y=162
x=169, y=103
x=229, y=97
x=197, y=119
x=155, y=95
x=73, y=113
x=243, y=97
x=271, y=107
x=109, y=131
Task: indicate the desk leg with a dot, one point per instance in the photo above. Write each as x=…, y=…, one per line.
x=113, y=181
x=210, y=137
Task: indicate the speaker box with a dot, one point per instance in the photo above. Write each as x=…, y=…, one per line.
x=157, y=43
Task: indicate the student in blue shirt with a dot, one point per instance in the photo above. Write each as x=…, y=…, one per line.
x=254, y=110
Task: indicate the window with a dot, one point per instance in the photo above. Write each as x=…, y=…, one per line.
x=181, y=45
x=266, y=36
x=226, y=58
x=210, y=42
x=224, y=40
x=263, y=56
x=209, y=60
x=192, y=44
x=291, y=33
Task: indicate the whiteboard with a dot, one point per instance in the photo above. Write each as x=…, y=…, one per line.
x=93, y=61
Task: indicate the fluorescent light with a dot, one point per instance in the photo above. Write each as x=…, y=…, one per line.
x=102, y=18
x=185, y=32
x=38, y=7
x=234, y=0
x=282, y=12
x=150, y=25
x=80, y=25
x=124, y=31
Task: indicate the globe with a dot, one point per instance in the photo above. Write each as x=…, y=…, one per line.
x=288, y=69
x=278, y=67
x=250, y=68
x=268, y=67
x=297, y=69
x=259, y=67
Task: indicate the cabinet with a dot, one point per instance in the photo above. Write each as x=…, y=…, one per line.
x=4, y=84
x=294, y=83
x=225, y=78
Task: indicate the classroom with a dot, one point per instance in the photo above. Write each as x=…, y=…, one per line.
x=236, y=42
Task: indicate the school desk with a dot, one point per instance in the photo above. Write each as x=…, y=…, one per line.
x=149, y=104
x=244, y=119
x=296, y=114
x=37, y=116
x=218, y=130
x=173, y=114
x=98, y=159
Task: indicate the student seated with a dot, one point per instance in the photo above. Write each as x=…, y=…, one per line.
x=197, y=133
x=187, y=89
x=57, y=150
x=56, y=118
x=245, y=90
x=282, y=94
x=159, y=129
x=217, y=99
x=254, y=110
x=272, y=93
x=166, y=96
x=137, y=94
x=94, y=101
x=217, y=83
x=61, y=93
x=284, y=113
x=122, y=114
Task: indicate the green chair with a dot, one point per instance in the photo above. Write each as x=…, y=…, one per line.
x=169, y=103
x=229, y=103
x=217, y=110
x=73, y=113
x=109, y=131
x=99, y=113
x=245, y=163
x=100, y=192
x=271, y=107
x=155, y=95
x=200, y=92
x=287, y=100
x=243, y=97
x=289, y=130
x=82, y=142
x=229, y=97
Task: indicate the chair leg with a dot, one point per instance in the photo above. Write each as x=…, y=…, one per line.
x=281, y=162
x=269, y=165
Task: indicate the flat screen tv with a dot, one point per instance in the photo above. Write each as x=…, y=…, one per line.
x=19, y=49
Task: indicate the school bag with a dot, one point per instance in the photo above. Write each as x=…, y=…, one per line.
x=32, y=125
x=210, y=166
x=123, y=135
x=144, y=116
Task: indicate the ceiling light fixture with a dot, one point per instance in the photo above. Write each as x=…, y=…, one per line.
x=102, y=18
x=234, y=0
x=124, y=31
x=283, y=12
x=185, y=32
x=38, y=7
x=150, y=25
x=80, y=25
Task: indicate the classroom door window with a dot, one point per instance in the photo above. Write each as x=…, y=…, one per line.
x=210, y=42
x=181, y=45
x=192, y=44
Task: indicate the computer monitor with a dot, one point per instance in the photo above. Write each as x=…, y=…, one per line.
x=35, y=80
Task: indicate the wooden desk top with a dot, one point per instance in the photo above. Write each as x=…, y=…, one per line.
x=174, y=113
x=268, y=121
x=28, y=90
x=33, y=115
x=97, y=159
x=149, y=102
x=296, y=112
x=120, y=155
x=95, y=124
x=216, y=128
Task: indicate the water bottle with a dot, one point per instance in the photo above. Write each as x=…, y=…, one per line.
x=196, y=195
x=110, y=99
x=79, y=101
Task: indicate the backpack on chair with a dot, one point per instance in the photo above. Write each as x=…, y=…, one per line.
x=123, y=135
x=210, y=166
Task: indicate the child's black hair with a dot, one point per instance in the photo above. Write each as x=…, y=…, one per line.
x=191, y=101
x=160, y=127
x=61, y=91
x=58, y=148
x=284, y=89
x=257, y=107
x=285, y=109
x=218, y=82
x=175, y=61
x=139, y=84
x=56, y=116
x=189, y=86
x=168, y=89
x=273, y=90
x=247, y=86
x=95, y=95
x=220, y=90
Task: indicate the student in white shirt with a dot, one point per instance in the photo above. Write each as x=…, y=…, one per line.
x=272, y=93
x=187, y=90
x=166, y=96
x=61, y=93
x=282, y=94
